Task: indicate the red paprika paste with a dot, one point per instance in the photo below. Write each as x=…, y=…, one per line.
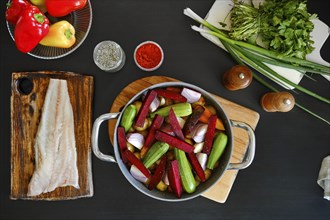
x=148, y=55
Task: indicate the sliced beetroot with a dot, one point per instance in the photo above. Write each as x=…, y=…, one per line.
x=174, y=89
x=150, y=138
x=170, y=94
x=156, y=124
x=142, y=114
x=196, y=166
x=208, y=141
x=175, y=124
x=135, y=161
x=167, y=128
x=174, y=178
x=122, y=142
x=193, y=119
x=173, y=141
x=158, y=174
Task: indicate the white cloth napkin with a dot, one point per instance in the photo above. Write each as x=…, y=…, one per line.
x=324, y=177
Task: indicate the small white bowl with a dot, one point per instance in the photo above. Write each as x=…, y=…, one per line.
x=153, y=67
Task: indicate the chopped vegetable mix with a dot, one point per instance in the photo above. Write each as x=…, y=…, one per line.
x=166, y=153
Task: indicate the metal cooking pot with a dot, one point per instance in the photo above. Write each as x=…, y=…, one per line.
x=224, y=161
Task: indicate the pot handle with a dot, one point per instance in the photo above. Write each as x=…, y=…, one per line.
x=95, y=136
x=249, y=156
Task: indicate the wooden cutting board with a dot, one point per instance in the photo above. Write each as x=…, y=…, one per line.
x=28, y=93
x=220, y=191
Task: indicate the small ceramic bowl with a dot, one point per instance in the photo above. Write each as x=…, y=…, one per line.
x=148, y=56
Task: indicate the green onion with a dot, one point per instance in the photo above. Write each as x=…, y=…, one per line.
x=256, y=57
x=266, y=84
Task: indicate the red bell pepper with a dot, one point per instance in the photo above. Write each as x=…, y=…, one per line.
x=15, y=9
x=60, y=8
x=30, y=28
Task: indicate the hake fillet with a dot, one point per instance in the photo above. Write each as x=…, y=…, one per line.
x=55, y=145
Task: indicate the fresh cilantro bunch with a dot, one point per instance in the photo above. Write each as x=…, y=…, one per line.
x=283, y=25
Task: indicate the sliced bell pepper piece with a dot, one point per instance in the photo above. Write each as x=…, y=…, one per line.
x=158, y=174
x=206, y=116
x=173, y=141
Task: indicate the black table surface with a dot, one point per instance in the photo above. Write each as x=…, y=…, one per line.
x=280, y=183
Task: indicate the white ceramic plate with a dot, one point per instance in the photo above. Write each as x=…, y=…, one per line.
x=220, y=10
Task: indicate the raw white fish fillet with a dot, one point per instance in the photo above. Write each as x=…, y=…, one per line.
x=55, y=144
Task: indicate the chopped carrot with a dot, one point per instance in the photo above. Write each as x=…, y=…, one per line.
x=205, y=117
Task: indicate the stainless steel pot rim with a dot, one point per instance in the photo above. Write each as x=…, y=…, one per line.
x=216, y=175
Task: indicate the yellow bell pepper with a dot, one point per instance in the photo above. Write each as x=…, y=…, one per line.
x=41, y=4
x=61, y=34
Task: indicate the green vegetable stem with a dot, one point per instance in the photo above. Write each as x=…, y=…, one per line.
x=257, y=57
x=284, y=26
